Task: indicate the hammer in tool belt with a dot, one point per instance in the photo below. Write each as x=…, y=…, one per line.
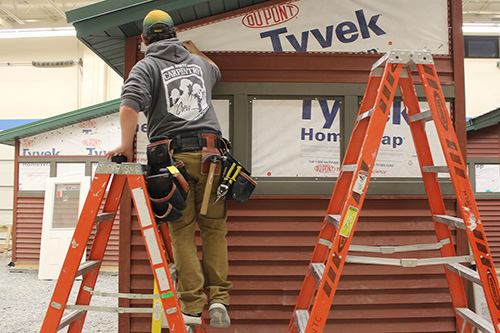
x=214, y=159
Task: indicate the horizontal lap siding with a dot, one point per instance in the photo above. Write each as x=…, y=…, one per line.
x=28, y=221
x=270, y=244
x=483, y=143
x=489, y=211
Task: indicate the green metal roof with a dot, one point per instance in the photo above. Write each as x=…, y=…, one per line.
x=10, y=136
x=484, y=120
x=105, y=25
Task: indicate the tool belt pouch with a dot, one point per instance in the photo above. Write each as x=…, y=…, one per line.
x=166, y=199
x=166, y=182
x=210, y=148
x=243, y=186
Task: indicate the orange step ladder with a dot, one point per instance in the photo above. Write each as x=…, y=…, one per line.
x=331, y=250
x=115, y=174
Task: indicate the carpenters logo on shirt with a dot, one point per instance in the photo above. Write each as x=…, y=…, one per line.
x=185, y=91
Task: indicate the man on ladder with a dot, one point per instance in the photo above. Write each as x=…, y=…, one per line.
x=172, y=85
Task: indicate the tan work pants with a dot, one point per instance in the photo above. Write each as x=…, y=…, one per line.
x=211, y=273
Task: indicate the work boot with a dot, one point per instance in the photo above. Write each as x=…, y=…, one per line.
x=219, y=316
x=192, y=319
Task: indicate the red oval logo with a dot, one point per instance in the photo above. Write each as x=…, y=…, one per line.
x=324, y=168
x=87, y=124
x=270, y=16
x=91, y=142
x=28, y=143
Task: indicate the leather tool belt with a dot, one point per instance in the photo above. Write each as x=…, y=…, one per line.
x=166, y=181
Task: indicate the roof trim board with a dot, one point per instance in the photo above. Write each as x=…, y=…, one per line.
x=10, y=136
x=109, y=14
x=485, y=120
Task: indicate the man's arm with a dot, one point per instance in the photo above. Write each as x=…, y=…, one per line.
x=128, y=124
x=189, y=45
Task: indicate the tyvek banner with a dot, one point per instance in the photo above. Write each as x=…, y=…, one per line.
x=92, y=137
x=330, y=26
x=301, y=138
x=295, y=138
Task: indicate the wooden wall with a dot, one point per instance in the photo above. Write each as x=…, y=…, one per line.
x=28, y=233
x=271, y=240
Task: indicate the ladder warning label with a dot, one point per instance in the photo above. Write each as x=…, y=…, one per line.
x=350, y=217
x=359, y=185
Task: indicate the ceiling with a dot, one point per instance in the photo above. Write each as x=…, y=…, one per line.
x=18, y=14
x=481, y=11
x=23, y=14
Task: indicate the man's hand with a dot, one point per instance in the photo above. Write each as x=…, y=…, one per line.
x=191, y=47
x=121, y=150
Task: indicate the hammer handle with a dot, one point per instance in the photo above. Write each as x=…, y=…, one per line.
x=208, y=189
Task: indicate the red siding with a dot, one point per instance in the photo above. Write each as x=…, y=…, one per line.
x=28, y=221
x=270, y=244
x=489, y=211
x=484, y=143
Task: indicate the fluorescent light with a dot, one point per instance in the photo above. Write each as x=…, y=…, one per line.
x=39, y=32
x=484, y=28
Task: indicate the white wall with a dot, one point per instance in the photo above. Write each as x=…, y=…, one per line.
x=482, y=86
x=29, y=92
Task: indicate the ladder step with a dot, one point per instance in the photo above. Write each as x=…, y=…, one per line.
x=102, y=217
x=349, y=167
x=87, y=267
x=465, y=272
x=475, y=320
x=70, y=317
x=450, y=220
x=407, y=262
x=317, y=270
x=436, y=169
x=423, y=116
x=301, y=319
x=365, y=115
x=333, y=220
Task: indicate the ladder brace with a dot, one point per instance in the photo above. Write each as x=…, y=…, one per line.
x=411, y=262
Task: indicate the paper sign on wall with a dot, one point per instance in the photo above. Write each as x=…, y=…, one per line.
x=295, y=138
x=330, y=26
x=301, y=138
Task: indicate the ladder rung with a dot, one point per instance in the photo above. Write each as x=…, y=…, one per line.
x=317, y=270
x=102, y=217
x=349, y=167
x=436, y=168
x=450, y=220
x=477, y=321
x=365, y=115
x=407, y=262
x=399, y=248
x=85, y=308
x=465, y=272
x=423, y=116
x=70, y=317
x=87, y=267
x=333, y=220
x=301, y=319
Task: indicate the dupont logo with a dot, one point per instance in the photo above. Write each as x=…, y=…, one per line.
x=324, y=168
x=91, y=142
x=270, y=16
x=87, y=124
x=28, y=143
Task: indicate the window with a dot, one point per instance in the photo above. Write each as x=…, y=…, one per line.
x=481, y=46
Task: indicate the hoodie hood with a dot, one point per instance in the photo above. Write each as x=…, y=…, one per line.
x=168, y=49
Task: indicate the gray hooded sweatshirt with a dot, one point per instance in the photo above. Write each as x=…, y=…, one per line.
x=174, y=89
